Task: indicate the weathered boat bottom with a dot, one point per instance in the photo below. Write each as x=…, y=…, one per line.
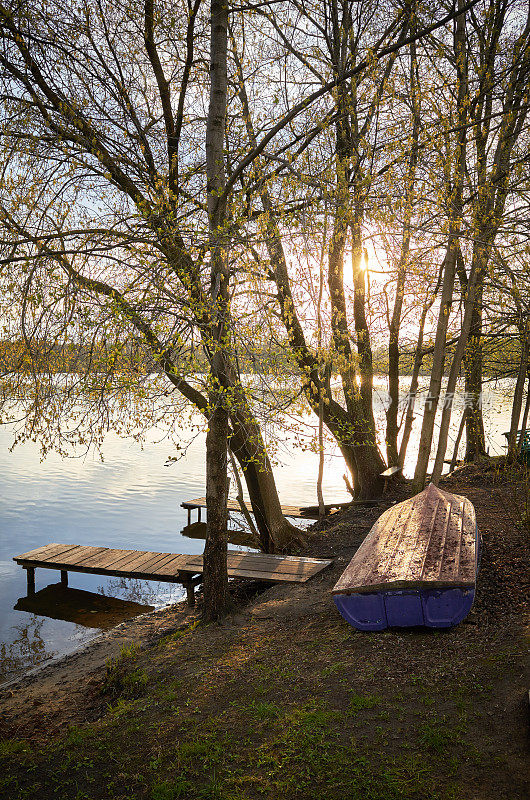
x=431, y=608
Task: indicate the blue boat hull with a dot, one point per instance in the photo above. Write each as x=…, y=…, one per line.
x=432, y=608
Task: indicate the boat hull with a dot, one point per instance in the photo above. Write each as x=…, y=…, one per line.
x=431, y=608
x=416, y=567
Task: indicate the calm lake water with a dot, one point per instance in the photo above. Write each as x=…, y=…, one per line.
x=131, y=500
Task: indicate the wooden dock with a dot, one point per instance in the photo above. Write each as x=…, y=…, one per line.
x=298, y=512
x=165, y=567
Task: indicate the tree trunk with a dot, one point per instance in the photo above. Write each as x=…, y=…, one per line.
x=320, y=475
x=248, y=447
x=361, y=434
x=438, y=362
x=475, y=437
x=454, y=457
x=362, y=331
x=476, y=276
x=246, y=442
x=215, y=550
x=513, y=439
x=392, y=428
x=526, y=411
x=409, y=414
x=349, y=428
x=446, y=300
x=215, y=575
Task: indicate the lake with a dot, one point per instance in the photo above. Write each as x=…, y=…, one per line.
x=131, y=500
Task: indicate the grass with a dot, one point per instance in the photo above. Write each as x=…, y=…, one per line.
x=122, y=680
x=259, y=749
x=358, y=702
x=264, y=710
x=263, y=749
x=214, y=734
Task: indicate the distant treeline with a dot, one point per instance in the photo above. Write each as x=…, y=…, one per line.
x=501, y=356
x=131, y=356
x=41, y=356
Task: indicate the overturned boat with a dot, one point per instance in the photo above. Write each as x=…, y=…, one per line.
x=417, y=566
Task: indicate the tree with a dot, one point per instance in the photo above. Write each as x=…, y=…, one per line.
x=121, y=222
x=449, y=266
x=488, y=206
x=357, y=92
x=93, y=122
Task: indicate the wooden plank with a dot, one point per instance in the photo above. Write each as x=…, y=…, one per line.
x=143, y=558
x=76, y=556
x=281, y=577
x=449, y=559
x=143, y=561
x=131, y=562
x=260, y=565
x=402, y=562
x=30, y=576
x=111, y=557
x=469, y=553
x=263, y=565
x=53, y=561
x=274, y=557
x=433, y=555
x=388, y=473
x=98, y=560
x=171, y=567
x=106, y=558
x=380, y=541
x=48, y=550
x=312, y=511
x=152, y=567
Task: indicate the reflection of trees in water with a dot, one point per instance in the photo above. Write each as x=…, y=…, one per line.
x=144, y=592
x=28, y=649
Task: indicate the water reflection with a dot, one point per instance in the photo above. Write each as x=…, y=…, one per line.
x=239, y=538
x=27, y=648
x=135, y=591
x=87, y=609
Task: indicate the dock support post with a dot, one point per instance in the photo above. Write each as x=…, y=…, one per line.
x=189, y=516
x=64, y=577
x=189, y=583
x=190, y=593
x=30, y=574
x=199, y=510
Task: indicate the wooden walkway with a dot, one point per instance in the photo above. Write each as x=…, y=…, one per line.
x=299, y=512
x=165, y=567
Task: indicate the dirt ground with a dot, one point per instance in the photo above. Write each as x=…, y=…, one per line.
x=285, y=698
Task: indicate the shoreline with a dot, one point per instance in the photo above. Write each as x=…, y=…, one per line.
x=124, y=627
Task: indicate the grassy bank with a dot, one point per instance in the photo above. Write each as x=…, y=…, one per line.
x=285, y=700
